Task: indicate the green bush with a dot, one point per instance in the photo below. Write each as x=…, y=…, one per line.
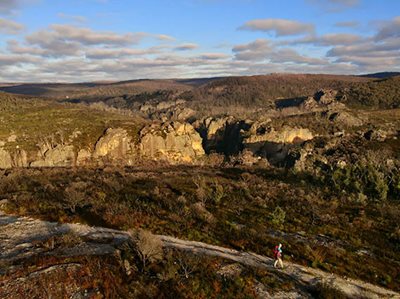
x=278, y=217
x=362, y=178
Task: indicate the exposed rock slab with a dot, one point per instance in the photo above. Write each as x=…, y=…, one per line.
x=115, y=144
x=60, y=156
x=174, y=142
x=5, y=159
x=18, y=236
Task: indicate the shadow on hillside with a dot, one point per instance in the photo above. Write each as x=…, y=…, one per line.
x=291, y=102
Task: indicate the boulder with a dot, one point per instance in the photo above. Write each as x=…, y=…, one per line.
x=172, y=141
x=265, y=141
x=20, y=158
x=115, y=144
x=182, y=113
x=310, y=161
x=59, y=156
x=172, y=114
x=247, y=158
x=84, y=157
x=215, y=125
x=309, y=104
x=12, y=138
x=5, y=159
x=165, y=105
x=378, y=135
x=326, y=96
x=222, y=135
x=265, y=133
x=344, y=118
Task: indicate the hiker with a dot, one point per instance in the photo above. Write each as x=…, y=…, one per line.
x=278, y=255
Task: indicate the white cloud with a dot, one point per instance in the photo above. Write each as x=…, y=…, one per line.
x=332, y=39
x=264, y=50
x=12, y=6
x=280, y=27
x=334, y=6
x=254, y=51
x=348, y=24
x=214, y=56
x=77, y=53
x=10, y=27
x=53, y=44
x=162, y=37
x=389, y=29
x=69, y=40
x=288, y=55
x=14, y=59
x=349, y=3
x=364, y=49
x=186, y=47
x=7, y=6
x=87, y=36
x=74, y=18
x=105, y=53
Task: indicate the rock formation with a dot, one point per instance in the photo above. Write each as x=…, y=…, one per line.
x=262, y=133
x=323, y=99
x=5, y=159
x=265, y=141
x=60, y=156
x=174, y=142
x=115, y=145
x=222, y=135
x=167, y=110
x=344, y=118
x=20, y=158
x=84, y=157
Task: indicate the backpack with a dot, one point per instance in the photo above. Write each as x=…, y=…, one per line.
x=276, y=251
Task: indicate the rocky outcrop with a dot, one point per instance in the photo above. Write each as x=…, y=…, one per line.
x=265, y=141
x=229, y=136
x=309, y=104
x=377, y=135
x=5, y=159
x=309, y=161
x=167, y=110
x=114, y=145
x=326, y=96
x=151, y=107
x=174, y=142
x=60, y=156
x=20, y=158
x=84, y=157
x=264, y=133
x=331, y=105
x=222, y=135
x=215, y=125
x=344, y=118
x=247, y=158
x=323, y=99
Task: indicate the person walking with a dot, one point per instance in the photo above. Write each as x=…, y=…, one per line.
x=278, y=256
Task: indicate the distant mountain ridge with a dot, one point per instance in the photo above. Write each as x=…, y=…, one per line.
x=381, y=75
x=379, y=89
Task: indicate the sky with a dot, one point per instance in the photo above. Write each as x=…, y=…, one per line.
x=102, y=40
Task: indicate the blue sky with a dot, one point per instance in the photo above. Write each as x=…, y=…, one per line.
x=87, y=40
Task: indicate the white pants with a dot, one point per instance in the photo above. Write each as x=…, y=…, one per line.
x=278, y=260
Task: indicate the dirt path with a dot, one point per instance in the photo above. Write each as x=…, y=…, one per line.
x=19, y=236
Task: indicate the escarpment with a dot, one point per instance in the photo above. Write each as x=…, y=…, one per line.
x=172, y=131
x=173, y=142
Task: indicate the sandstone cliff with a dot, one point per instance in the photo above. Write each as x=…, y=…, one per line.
x=174, y=142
